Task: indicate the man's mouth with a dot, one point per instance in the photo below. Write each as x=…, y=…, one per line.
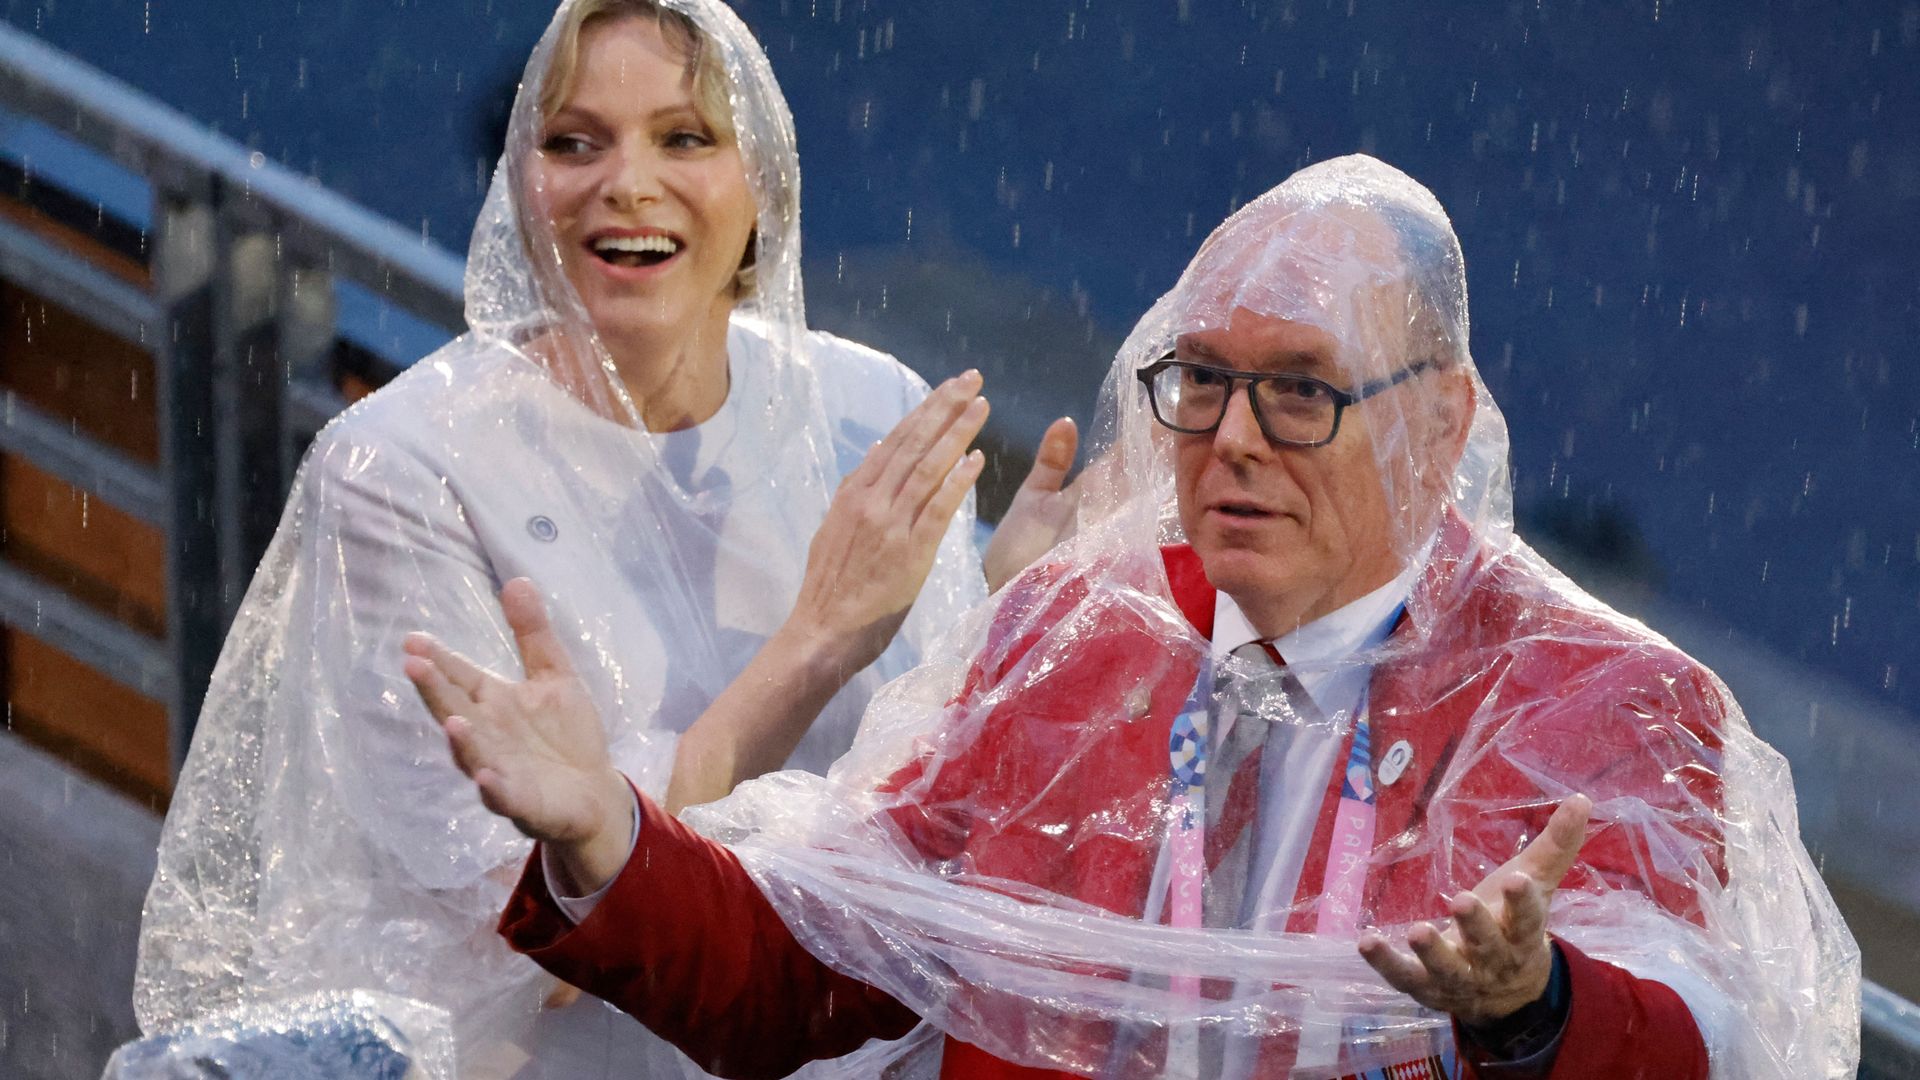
x=635, y=251
x=1247, y=511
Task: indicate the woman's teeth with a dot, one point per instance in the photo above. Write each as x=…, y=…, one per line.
x=636, y=250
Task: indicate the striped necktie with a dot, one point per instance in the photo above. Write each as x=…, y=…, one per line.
x=1238, y=737
x=1242, y=706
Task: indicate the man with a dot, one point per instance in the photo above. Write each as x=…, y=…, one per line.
x=1351, y=702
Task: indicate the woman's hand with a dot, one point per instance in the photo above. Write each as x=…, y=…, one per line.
x=865, y=566
x=1044, y=510
x=878, y=541
x=535, y=749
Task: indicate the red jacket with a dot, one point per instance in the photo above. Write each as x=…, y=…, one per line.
x=1507, y=681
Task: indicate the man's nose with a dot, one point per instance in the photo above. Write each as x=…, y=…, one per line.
x=1239, y=435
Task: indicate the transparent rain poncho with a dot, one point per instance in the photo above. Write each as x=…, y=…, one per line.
x=330, y=1035
x=320, y=837
x=994, y=852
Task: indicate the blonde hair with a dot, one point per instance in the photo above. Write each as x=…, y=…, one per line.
x=708, y=77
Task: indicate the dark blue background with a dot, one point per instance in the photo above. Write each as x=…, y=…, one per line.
x=1690, y=227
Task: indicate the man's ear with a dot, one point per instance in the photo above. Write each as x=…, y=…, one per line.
x=1460, y=400
x=1449, y=424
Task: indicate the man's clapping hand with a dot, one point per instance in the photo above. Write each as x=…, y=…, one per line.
x=535, y=748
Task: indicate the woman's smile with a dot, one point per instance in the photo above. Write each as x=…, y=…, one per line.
x=636, y=255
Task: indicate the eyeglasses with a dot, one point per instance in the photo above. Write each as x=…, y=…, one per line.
x=1293, y=410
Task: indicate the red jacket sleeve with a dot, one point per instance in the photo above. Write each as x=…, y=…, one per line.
x=1619, y=1027
x=686, y=943
x=1622, y=1027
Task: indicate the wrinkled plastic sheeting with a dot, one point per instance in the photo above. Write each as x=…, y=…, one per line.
x=357, y=1035
x=320, y=837
x=992, y=852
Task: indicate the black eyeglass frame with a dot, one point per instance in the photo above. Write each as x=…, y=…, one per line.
x=1342, y=399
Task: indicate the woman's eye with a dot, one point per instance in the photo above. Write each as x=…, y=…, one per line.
x=565, y=145
x=688, y=140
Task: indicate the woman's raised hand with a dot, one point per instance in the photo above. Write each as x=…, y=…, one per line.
x=877, y=544
x=1044, y=510
x=535, y=748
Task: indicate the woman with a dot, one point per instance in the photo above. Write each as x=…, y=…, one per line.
x=640, y=420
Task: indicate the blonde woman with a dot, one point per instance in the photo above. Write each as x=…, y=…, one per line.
x=640, y=421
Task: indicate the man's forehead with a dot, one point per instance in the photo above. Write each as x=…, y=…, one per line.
x=1253, y=341
x=1291, y=287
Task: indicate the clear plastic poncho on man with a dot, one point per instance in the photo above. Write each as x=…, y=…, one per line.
x=1000, y=849
x=320, y=838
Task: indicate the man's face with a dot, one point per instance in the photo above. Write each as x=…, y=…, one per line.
x=1291, y=533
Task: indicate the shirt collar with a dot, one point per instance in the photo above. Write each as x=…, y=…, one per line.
x=1324, y=641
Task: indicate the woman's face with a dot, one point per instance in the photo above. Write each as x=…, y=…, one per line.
x=650, y=209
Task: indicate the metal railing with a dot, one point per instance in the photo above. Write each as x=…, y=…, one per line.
x=1889, y=1035
x=247, y=259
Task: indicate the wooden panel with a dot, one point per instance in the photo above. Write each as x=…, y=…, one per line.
x=42, y=221
x=104, y=386
x=88, y=720
x=109, y=561
x=68, y=367
x=103, y=556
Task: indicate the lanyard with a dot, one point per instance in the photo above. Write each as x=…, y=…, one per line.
x=1352, y=841
x=1187, y=756
x=1343, y=887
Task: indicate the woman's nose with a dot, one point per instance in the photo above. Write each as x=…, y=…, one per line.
x=635, y=181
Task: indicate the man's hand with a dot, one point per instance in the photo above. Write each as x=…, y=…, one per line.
x=535, y=749
x=1043, y=510
x=1496, y=959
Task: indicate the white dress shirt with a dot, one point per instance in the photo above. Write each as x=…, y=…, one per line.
x=1328, y=657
